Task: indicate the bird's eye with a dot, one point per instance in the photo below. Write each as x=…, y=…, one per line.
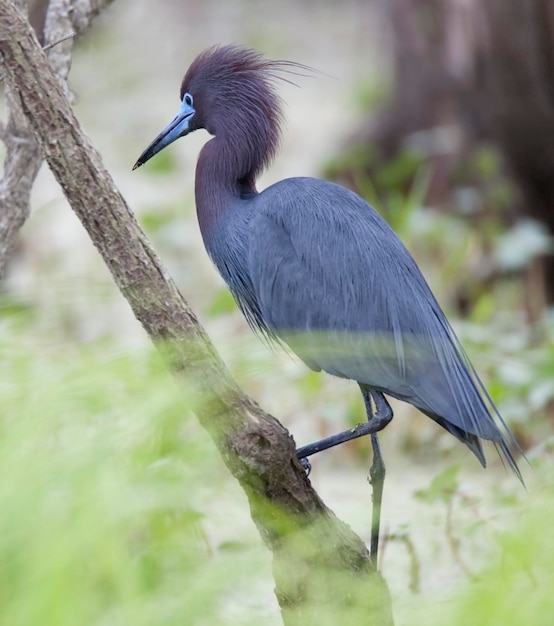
x=187, y=99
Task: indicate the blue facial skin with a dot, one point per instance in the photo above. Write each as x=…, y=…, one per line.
x=178, y=127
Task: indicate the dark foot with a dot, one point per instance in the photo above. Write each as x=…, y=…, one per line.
x=306, y=465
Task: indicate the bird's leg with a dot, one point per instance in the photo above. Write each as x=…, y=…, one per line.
x=377, y=480
x=374, y=423
x=377, y=469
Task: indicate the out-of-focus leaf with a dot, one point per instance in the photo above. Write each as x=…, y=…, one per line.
x=442, y=486
x=164, y=163
x=517, y=247
x=222, y=302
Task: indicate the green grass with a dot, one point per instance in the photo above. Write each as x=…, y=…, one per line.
x=100, y=464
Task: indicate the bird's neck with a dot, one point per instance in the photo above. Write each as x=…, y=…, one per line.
x=225, y=175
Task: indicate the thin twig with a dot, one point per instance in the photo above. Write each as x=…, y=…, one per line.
x=472, y=503
x=453, y=542
x=58, y=41
x=403, y=537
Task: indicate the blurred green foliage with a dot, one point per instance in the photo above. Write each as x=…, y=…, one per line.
x=222, y=302
x=100, y=465
x=516, y=588
x=164, y=163
x=442, y=487
x=391, y=182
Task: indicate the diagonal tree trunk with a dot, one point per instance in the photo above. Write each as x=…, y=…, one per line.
x=322, y=570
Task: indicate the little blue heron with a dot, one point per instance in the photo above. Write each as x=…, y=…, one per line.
x=313, y=265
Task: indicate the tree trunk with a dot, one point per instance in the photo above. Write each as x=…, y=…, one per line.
x=322, y=570
x=514, y=82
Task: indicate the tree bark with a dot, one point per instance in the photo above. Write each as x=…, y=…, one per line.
x=322, y=569
x=514, y=80
x=51, y=20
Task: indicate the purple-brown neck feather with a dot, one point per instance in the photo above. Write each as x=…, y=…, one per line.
x=235, y=100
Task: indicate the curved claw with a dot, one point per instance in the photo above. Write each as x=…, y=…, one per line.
x=306, y=465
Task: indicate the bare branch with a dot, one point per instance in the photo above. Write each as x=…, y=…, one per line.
x=322, y=569
x=84, y=11
x=58, y=41
x=21, y=166
x=23, y=154
x=66, y=16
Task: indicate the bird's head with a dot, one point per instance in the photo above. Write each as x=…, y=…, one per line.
x=229, y=91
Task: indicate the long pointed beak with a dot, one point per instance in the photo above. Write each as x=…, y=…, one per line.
x=178, y=127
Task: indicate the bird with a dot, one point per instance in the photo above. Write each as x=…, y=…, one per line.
x=314, y=267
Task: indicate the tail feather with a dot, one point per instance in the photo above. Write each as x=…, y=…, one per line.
x=507, y=457
x=475, y=415
x=473, y=442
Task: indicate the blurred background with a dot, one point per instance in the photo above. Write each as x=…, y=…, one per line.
x=439, y=113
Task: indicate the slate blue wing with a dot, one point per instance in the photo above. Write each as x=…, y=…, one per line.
x=334, y=282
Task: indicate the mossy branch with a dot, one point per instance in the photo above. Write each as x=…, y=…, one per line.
x=322, y=569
